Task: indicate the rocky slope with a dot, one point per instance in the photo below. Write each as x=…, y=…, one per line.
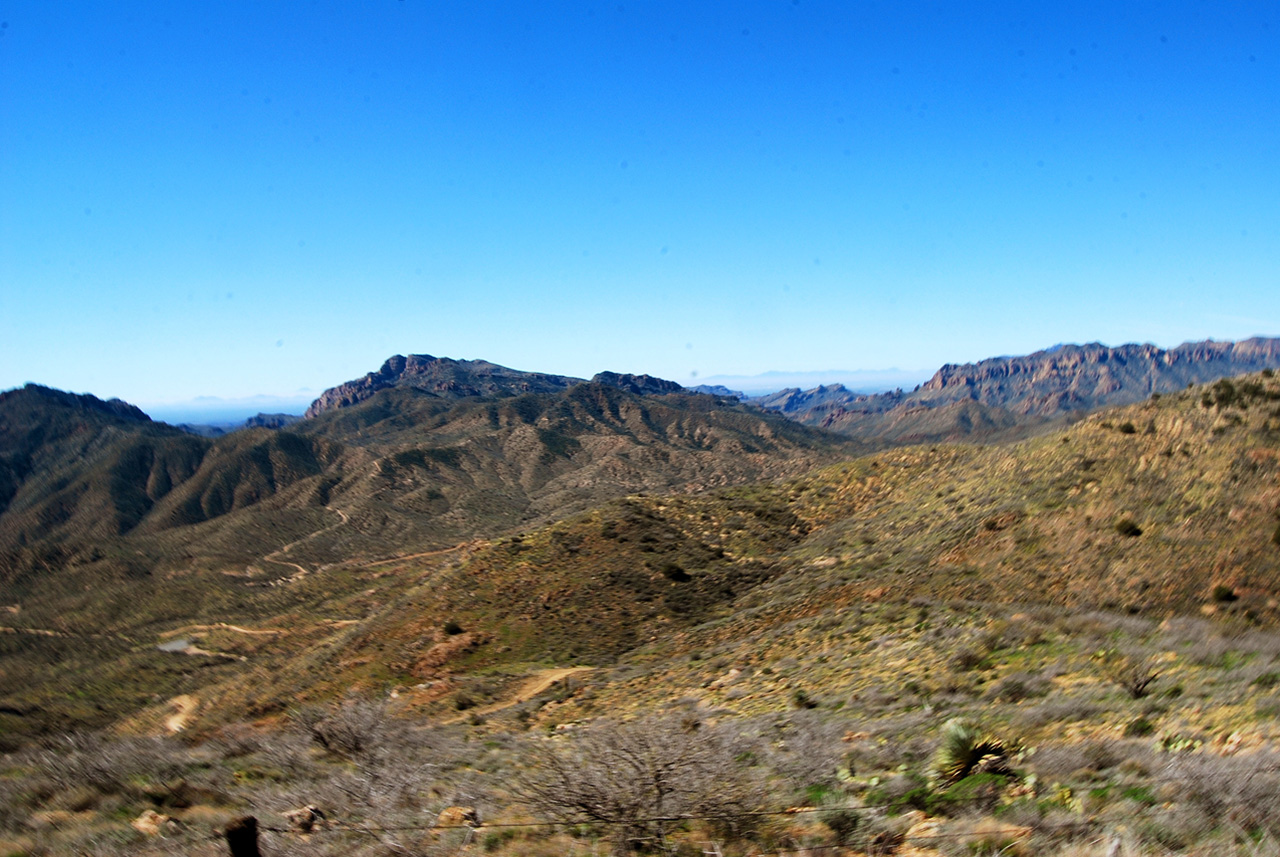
x=440, y=376
x=1005, y=396
x=1164, y=508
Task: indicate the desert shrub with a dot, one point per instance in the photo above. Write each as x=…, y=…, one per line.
x=969, y=657
x=1065, y=761
x=1134, y=672
x=1223, y=593
x=1128, y=528
x=82, y=760
x=900, y=793
x=1056, y=711
x=964, y=751
x=1224, y=393
x=352, y=728
x=236, y=740
x=1127, y=428
x=1266, y=681
x=808, y=750
x=800, y=698
x=1244, y=790
x=1019, y=686
x=625, y=775
x=1138, y=727
x=976, y=793
x=843, y=824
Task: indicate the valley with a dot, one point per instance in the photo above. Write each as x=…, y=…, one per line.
x=419, y=600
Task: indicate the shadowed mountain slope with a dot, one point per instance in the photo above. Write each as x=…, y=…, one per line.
x=405, y=469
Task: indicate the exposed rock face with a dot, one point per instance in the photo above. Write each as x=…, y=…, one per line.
x=1005, y=394
x=440, y=376
x=1080, y=377
x=641, y=385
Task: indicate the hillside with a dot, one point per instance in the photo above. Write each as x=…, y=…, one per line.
x=115, y=525
x=1101, y=599
x=1164, y=508
x=1007, y=397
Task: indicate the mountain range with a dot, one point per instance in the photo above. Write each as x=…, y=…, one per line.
x=1005, y=397
x=557, y=520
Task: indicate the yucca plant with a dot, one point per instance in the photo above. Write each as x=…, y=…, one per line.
x=965, y=750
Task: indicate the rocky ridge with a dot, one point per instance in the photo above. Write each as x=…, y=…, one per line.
x=439, y=376
x=1019, y=394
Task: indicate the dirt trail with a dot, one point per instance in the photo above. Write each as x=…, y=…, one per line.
x=537, y=683
x=184, y=709
x=223, y=626
x=412, y=556
x=71, y=635
x=302, y=571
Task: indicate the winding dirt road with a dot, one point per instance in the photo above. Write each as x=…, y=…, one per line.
x=538, y=683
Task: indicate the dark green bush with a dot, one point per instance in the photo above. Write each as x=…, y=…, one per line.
x=1127, y=527
x=801, y=698
x=1223, y=593
x=1139, y=727
x=1266, y=681
x=842, y=824
x=975, y=793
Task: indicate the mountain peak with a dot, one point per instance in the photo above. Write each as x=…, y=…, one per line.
x=84, y=402
x=439, y=376
x=641, y=385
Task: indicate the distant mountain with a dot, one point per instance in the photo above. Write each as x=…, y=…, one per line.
x=1005, y=396
x=717, y=390
x=641, y=385
x=440, y=376
x=441, y=452
x=271, y=421
x=860, y=380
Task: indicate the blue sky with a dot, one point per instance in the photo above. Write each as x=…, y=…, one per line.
x=237, y=198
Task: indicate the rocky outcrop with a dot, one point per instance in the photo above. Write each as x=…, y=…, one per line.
x=1024, y=391
x=1083, y=377
x=640, y=385
x=440, y=376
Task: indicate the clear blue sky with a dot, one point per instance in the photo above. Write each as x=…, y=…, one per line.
x=237, y=198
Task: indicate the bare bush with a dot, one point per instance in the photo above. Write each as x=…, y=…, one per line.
x=1244, y=790
x=1134, y=672
x=353, y=728
x=84, y=760
x=638, y=779
x=808, y=749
